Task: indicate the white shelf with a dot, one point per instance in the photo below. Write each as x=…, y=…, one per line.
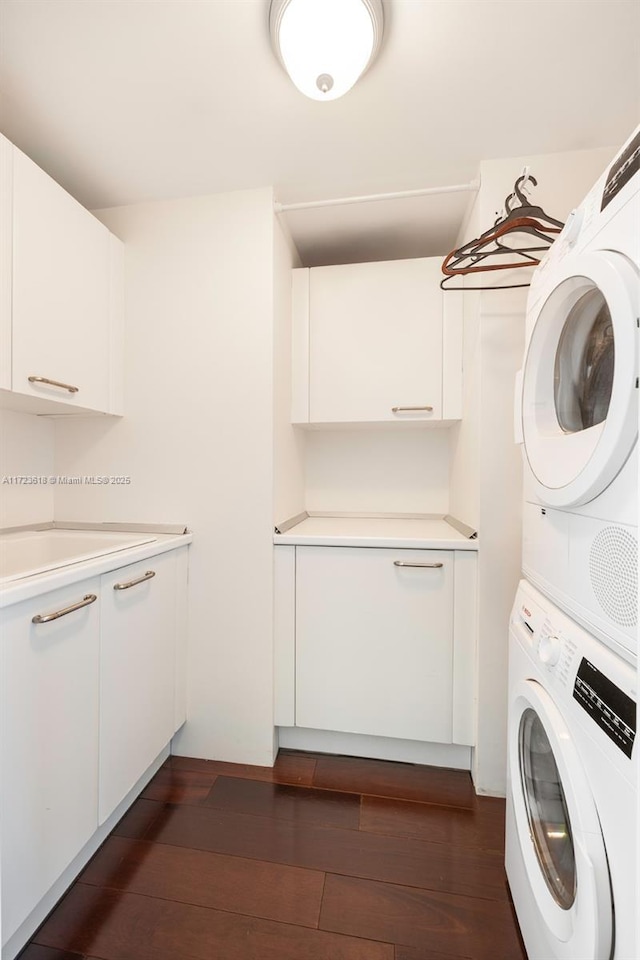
x=397, y=532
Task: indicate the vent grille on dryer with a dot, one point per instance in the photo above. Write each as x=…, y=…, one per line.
x=613, y=565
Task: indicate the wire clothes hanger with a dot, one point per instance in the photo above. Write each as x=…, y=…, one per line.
x=524, y=218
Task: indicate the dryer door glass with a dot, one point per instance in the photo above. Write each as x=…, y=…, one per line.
x=584, y=364
x=547, y=810
x=579, y=396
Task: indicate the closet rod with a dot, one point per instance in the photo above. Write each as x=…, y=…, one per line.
x=338, y=201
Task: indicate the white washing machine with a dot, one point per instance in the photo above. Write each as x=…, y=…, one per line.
x=578, y=410
x=572, y=788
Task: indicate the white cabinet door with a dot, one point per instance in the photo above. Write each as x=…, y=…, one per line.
x=49, y=743
x=374, y=641
x=137, y=670
x=6, y=256
x=61, y=289
x=375, y=332
x=182, y=629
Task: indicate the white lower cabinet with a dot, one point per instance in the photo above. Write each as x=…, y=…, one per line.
x=49, y=742
x=137, y=670
x=90, y=698
x=374, y=641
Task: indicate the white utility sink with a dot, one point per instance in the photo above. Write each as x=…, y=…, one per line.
x=37, y=551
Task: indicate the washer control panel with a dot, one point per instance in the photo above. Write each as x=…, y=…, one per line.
x=624, y=168
x=580, y=673
x=609, y=706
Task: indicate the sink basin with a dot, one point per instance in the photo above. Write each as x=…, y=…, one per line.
x=38, y=551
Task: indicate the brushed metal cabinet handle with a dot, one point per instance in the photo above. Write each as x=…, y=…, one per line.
x=133, y=583
x=406, y=563
x=404, y=409
x=53, y=383
x=46, y=617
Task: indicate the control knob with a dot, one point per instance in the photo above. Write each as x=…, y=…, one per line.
x=549, y=650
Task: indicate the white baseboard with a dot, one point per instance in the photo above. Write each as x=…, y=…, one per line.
x=377, y=748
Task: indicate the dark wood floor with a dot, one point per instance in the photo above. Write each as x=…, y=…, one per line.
x=319, y=858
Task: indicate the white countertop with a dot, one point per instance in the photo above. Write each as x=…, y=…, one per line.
x=429, y=533
x=14, y=591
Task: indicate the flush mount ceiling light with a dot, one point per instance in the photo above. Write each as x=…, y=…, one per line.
x=326, y=45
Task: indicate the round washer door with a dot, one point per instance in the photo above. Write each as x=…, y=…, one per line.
x=558, y=829
x=579, y=395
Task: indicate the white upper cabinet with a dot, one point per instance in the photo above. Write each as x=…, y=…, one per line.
x=370, y=344
x=6, y=230
x=65, y=271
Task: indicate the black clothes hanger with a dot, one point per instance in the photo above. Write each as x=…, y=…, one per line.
x=525, y=209
x=524, y=218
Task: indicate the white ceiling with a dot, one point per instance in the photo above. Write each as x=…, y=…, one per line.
x=130, y=100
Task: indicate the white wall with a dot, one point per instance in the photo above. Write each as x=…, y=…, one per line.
x=500, y=512
x=377, y=470
x=494, y=327
x=288, y=443
x=26, y=450
x=465, y=436
x=197, y=441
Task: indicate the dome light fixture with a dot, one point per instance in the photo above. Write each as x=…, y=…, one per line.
x=326, y=45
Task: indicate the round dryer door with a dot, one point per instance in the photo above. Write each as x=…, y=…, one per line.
x=558, y=829
x=579, y=395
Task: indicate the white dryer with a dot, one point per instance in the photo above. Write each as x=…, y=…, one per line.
x=572, y=788
x=579, y=410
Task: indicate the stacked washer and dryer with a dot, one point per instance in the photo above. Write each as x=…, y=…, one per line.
x=573, y=682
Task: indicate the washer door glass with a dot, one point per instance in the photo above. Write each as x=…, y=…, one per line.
x=547, y=810
x=555, y=844
x=583, y=376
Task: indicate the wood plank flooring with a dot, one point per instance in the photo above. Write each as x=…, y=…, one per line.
x=317, y=858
